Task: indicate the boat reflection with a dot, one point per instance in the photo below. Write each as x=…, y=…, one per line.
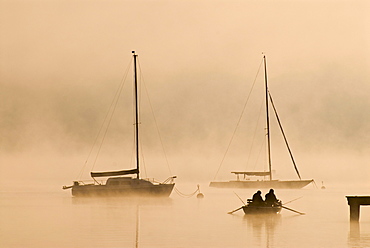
x=263, y=228
x=123, y=218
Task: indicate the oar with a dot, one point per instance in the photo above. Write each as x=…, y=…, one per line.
x=235, y=210
x=295, y=211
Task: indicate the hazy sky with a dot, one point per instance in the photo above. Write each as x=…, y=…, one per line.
x=61, y=62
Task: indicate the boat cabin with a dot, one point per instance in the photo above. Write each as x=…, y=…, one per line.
x=247, y=174
x=126, y=181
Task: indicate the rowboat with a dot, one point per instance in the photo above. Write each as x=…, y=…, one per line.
x=252, y=208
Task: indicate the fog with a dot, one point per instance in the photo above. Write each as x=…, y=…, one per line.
x=62, y=61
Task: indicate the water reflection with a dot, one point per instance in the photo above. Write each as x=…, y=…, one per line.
x=137, y=227
x=356, y=238
x=122, y=219
x=263, y=228
x=122, y=201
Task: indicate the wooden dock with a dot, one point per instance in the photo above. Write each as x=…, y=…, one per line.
x=354, y=203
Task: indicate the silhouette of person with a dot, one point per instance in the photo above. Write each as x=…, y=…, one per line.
x=271, y=199
x=257, y=198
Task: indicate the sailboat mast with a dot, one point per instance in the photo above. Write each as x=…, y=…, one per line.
x=267, y=120
x=136, y=116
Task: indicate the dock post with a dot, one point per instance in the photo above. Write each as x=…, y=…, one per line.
x=354, y=203
x=354, y=212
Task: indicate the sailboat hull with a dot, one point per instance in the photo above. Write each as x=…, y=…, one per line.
x=132, y=187
x=275, y=184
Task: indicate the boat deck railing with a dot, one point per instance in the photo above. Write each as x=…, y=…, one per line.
x=168, y=180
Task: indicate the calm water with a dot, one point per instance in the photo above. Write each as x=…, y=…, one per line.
x=52, y=218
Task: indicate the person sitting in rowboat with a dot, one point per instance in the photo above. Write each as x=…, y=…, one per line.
x=270, y=198
x=257, y=199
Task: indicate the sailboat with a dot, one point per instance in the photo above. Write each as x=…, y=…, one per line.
x=259, y=181
x=116, y=185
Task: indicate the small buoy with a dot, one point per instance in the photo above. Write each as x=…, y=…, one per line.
x=323, y=187
x=200, y=195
